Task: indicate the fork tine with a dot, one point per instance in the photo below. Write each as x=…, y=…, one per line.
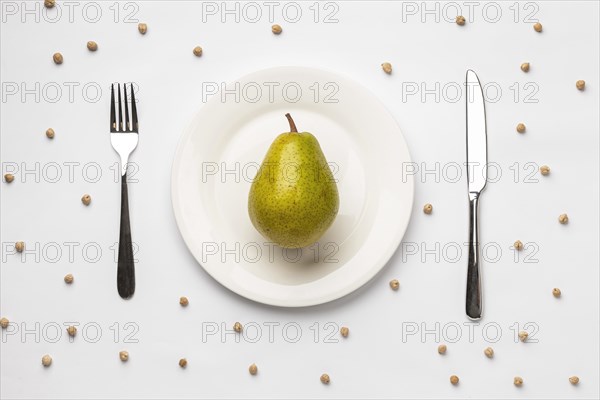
x=127, y=125
x=134, y=119
x=120, y=109
x=113, y=120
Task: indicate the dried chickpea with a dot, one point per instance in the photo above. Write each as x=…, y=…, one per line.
x=460, y=20
x=454, y=379
x=20, y=246
x=489, y=352
x=325, y=379
x=253, y=369
x=521, y=128
x=545, y=170
x=556, y=292
x=50, y=133
x=387, y=67
x=394, y=284
x=563, y=218
x=69, y=278
x=427, y=208
x=183, y=363
x=197, y=51
x=537, y=27
x=184, y=301
x=518, y=381
x=574, y=380
x=46, y=360
x=523, y=335
x=4, y=323
x=58, y=58
x=237, y=327
x=8, y=178
x=92, y=46
x=344, y=331
x=143, y=28
x=72, y=331
x=49, y=3
x=86, y=199
x=518, y=245
x=525, y=67
x=123, y=355
x=276, y=29
x=442, y=349
x=580, y=84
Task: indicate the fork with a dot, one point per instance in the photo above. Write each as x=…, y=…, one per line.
x=124, y=139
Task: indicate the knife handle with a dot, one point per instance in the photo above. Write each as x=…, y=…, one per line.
x=474, y=300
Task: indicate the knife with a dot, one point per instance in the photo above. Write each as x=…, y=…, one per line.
x=477, y=178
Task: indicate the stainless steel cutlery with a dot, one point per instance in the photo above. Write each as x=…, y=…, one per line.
x=124, y=139
x=477, y=178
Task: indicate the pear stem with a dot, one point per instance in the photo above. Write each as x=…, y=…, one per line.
x=292, y=124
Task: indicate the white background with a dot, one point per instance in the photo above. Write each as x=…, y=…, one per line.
x=375, y=361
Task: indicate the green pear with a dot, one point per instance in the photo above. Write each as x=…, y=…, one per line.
x=294, y=198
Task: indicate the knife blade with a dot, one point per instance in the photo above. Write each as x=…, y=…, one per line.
x=477, y=179
x=476, y=134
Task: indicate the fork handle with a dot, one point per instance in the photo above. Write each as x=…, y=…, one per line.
x=474, y=298
x=125, y=266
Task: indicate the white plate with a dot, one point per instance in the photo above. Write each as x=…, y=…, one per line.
x=219, y=154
